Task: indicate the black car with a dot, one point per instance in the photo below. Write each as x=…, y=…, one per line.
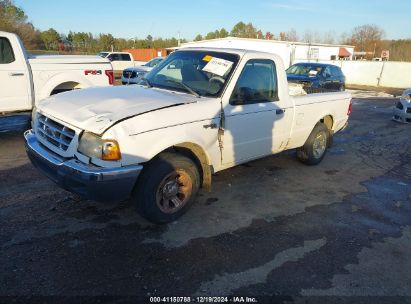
x=317, y=77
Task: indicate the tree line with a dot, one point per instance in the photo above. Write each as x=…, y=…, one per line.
x=86, y=42
x=13, y=19
x=365, y=38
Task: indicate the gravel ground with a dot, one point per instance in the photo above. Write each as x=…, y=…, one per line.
x=274, y=229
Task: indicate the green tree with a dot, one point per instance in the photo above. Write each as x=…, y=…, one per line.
x=149, y=41
x=11, y=16
x=198, y=38
x=13, y=19
x=243, y=30
x=210, y=35
x=105, y=42
x=50, y=39
x=223, y=33
x=81, y=41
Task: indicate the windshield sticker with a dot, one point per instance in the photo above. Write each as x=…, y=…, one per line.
x=207, y=58
x=218, y=66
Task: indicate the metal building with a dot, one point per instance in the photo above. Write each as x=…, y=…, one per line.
x=288, y=51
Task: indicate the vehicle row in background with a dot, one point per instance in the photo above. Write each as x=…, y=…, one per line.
x=133, y=75
x=316, y=77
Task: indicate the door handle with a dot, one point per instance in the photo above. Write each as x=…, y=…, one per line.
x=279, y=111
x=211, y=126
x=16, y=74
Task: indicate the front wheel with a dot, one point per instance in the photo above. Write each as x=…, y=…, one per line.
x=166, y=188
x=316, y=145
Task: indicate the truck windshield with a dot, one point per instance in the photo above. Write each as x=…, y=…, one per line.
x=197, y=72
x=304, y=70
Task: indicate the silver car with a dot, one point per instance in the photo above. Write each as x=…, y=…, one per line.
x=402, y=111
x=133, y=75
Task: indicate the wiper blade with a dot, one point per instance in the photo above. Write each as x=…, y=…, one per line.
x=147, y=82
x=190, y=90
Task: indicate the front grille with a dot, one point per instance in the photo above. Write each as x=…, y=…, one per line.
x=409, y=110
x=400, y=106
x=54, y=133
x=129, y=74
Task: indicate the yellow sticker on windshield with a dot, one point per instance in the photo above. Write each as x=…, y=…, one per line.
x=207, y=58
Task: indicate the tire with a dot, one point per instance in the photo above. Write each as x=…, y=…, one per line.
x=342, y=88
x=316, y=145
x=166, y=188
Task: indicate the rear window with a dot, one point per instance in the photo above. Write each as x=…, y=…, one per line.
x=336, y=71
x=125, y=57
x=6, y=51
x=114, y=57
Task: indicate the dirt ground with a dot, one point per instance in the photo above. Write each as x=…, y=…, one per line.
x=274, y=229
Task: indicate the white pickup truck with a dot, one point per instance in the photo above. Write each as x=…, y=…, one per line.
x=25, y=80
x=201, y=111
x=119, y=60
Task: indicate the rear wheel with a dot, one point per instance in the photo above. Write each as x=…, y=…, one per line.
x=316, y=145
x=166, y=188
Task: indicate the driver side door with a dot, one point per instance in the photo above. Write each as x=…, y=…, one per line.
x=252, y=114
x=15, y=81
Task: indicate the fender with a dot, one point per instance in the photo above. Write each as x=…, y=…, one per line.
x=60, y=78
x=168, y=139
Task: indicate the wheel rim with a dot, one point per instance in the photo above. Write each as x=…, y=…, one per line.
x=320, y=144
x=174, y=191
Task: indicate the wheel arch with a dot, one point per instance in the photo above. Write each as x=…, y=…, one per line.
x=66, y=86
x=328, y=120
x=60, y=80
x=197, y=154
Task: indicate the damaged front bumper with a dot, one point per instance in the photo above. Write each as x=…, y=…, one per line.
x=87, y=180
x=402, y=111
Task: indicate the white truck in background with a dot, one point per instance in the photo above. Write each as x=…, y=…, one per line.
x=119, y=60
x=27, y=79
x=201, y=111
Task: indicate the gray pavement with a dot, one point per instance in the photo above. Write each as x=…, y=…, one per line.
x=339, y=231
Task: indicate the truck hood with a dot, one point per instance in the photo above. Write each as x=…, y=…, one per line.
x=58, y=59
x=96, y=109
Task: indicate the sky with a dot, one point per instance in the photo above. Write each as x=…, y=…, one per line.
x=170, y=18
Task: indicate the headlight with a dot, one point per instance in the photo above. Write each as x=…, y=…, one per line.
x=406, y=96
x=93, y=145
